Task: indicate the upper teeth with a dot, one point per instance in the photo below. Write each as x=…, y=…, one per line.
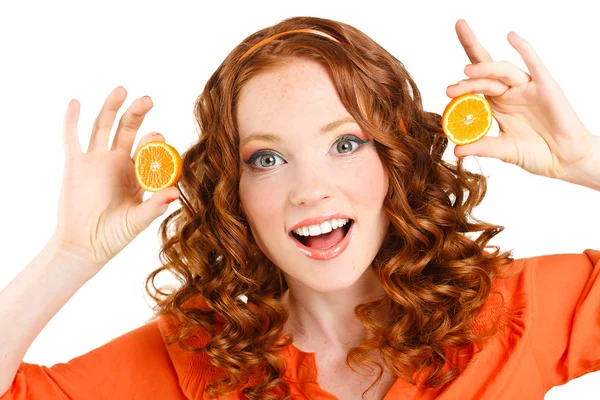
x=323, y=227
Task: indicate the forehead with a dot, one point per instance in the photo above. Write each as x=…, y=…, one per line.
x=298, y=94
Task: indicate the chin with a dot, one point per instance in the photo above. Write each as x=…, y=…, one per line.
x=329, y=276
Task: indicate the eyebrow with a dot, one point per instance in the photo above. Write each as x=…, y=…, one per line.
x=270, y=137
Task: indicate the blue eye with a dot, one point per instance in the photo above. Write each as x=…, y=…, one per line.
x=348, y=144
x=264, y=159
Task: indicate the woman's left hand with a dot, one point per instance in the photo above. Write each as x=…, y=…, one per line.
x=539, y=130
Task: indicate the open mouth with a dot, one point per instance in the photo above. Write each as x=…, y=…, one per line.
x=323, y=241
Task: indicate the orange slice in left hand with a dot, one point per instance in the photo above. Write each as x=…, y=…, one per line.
x=157, y=166
x=467, y=118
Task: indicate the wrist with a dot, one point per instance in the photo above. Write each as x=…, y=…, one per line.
x=68, y=257
x=586, y=172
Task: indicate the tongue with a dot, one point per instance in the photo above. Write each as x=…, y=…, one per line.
x=325, y=240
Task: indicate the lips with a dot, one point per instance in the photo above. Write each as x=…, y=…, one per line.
x=328, y=253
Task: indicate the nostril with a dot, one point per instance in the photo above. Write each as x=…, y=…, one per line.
x=313, y=193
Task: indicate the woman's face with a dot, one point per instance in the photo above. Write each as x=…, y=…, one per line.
x=307, y=164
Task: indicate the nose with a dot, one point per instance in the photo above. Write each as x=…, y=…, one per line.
x=310, y=186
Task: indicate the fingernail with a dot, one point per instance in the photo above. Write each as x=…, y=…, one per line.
x=145, y=100
x=171, y=200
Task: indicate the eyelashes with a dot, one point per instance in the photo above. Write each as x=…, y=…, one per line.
x=266, y=159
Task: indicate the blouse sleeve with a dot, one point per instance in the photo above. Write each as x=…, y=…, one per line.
x=132, y=366
x=566, y=315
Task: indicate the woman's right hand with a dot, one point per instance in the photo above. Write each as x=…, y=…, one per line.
x=100, y=208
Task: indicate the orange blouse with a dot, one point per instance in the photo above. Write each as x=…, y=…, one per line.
x=551, y=334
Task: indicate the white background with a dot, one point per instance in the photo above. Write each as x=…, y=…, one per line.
x=52, y=52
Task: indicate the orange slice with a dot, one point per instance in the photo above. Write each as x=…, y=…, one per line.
x=157, y=166
x=467, y=118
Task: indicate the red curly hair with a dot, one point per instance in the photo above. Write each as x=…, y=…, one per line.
x=436, y=278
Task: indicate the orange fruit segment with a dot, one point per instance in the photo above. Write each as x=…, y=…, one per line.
x=467, y=118
x=157, y=166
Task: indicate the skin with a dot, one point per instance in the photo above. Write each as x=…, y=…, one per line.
x=308, y=176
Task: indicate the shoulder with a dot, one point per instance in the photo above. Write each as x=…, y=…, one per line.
x=138, y=355
x=535, y=283
x=141, y=345
x=569, y=271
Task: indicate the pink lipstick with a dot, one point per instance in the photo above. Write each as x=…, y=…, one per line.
x=324, y=254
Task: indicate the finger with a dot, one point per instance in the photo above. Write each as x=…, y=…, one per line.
x=150, y=137
x=486, y=86
x=70, y=131
x=145, y=213
x=130, y=123
x=534, y=63
x=105, y=120
x=503, y=71
x=475, y=51
x=500, y=147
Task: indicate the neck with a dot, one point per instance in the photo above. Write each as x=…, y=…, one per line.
x=318, y=320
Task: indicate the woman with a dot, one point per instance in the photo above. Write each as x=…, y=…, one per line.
x=317, y=207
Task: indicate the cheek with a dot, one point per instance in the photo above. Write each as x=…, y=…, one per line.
x=369, y=183
x=261, y=200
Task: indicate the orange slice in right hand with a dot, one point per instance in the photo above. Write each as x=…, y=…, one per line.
x=157, y=166
x=467, y=118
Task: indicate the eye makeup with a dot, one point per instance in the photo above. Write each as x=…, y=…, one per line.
x=361, y=135
x=255, y=156
x=251, y=160
x=350, y=138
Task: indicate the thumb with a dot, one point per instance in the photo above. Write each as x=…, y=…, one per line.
x=143, y=214
x=489, y=146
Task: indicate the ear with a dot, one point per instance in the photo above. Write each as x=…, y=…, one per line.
x=242, y=216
